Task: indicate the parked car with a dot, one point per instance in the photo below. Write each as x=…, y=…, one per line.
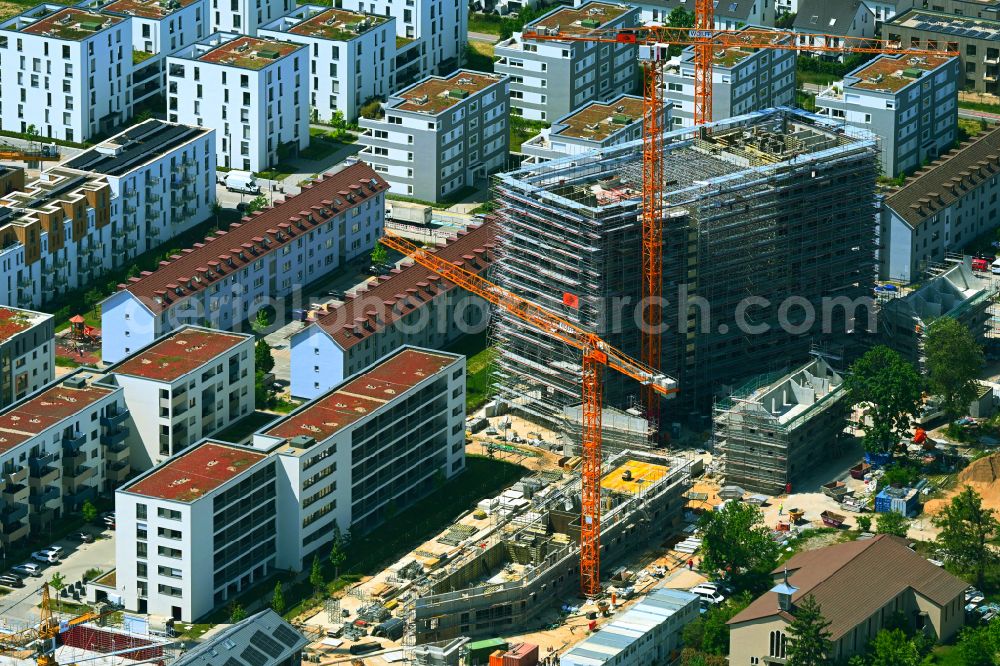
x=379, y=269
x=44, y=557
x=55, y=550
x=83, y=537
x=10, y=580
x=28, y=569
x=709, y=592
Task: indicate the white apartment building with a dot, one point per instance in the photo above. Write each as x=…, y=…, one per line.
x=433, y=34
x=440, y=135
x=593, y=126
x=162, y=179
x=55, y=236
x=65, y=71
x=909, y=102
x=58, y=448
x=940, y=210
x=744, y=80
x=380, y=438
x=549, y=79
x=186, y=386
x=196, y=530
x=255, y=263
x=253, y=92
x=351, y=56
x=408, y=307
x=246, y=16
x=27, y=353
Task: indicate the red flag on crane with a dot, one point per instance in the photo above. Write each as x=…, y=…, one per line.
x=571, y=300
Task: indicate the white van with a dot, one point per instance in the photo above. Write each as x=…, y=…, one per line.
x=995, y=267
x=241, y=181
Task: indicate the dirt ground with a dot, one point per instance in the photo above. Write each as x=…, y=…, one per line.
x=982, y=475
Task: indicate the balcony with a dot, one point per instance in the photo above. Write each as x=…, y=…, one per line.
x=112, y=420
x=85, y=251
x=82, y=494
x=152, y=180
x=43, y=475
x=131, y=227
x=44, y=496
x=117, y=472
x=153, y=197
x=131, y=193
x=18, y=475
x=26, y=299
x=130, y=244
x=115, y=437
x=116, y=453
x=73, y=443
x=25, y=283
x=14, y=493
x=154, y=231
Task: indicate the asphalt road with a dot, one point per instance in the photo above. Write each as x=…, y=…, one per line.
x=21, y=604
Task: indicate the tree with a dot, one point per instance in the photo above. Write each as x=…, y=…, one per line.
x=709, y=633
x=263, y=361
x=259, y=202
x=967, y=527
x=261, y=396
x=680, y=18
x=262, y=320
x=88, y=511
x=888, y=388
x=91, y=298
x=216, y=210
x=808, y=635
x=893, y=523
x=736, y=540
x=380, y=256
x=893, y=648
x=237, y=613
x=975, y=647
x=864, y=523
x=316, y=575
x=337, y=557
x=278, y=599
x=954, y=360
x=57, y=583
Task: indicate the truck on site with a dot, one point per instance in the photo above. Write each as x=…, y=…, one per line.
x=241, y=181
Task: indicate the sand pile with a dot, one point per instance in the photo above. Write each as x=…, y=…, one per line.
x=982, y=475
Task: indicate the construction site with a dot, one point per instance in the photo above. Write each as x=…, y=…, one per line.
x=773, y=430
x=766, y=206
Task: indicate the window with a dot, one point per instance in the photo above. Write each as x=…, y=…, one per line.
x=777, y=645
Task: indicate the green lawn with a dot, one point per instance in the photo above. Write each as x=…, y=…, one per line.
x=946, y=655
x=479, y=56
x=818, y=78
x=478, y=368
x=485, y=23
x=279, y=172
x=319, y=149
x=979, y=106
x=521, y=130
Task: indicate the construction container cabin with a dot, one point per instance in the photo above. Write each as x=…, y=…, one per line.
x=774, y=430
x=769, y=205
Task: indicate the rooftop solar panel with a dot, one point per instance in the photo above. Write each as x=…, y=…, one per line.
x=253, y=657
x=286, y=635
x=266, y=644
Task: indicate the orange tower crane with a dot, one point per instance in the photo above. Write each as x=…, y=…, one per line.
x=705, y=39
x=596, y=354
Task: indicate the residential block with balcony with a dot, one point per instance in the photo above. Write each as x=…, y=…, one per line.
x=440, y=135
x=253, y=92
x=55, y=451
x=27, y=353
x=187, y=385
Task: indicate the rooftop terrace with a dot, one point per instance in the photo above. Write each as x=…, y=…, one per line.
x=580, y=20
x=178, y=354
x=436, y=94
x=361, y=395
x=598, y=121
x=196, y=472
x=72, y=24
x=154, y=9
x=249, y=52
x=893, y=73
x=338, y=25
x=48, y=407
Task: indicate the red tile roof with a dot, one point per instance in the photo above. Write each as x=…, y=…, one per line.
x=357, y=398
x=852, y=580
x=13, y=322
x=404, y=290
x=45, y=410
x=198, y=267
x=196, y=472
x=178, y=354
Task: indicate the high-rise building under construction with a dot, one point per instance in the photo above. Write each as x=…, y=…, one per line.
x=769, y=217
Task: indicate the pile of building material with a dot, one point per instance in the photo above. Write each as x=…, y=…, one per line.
x=689, y=546
x=456, y=534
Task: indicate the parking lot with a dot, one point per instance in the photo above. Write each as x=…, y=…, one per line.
x=21, y=604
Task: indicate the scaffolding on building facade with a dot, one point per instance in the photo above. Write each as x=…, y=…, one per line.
x=771, y=205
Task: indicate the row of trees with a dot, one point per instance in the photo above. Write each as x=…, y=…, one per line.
x=890, y=390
